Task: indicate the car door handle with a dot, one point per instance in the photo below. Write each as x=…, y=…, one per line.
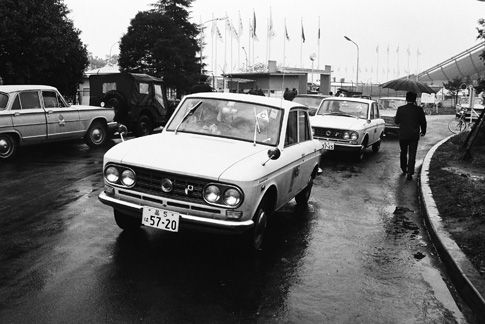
x=50, y=111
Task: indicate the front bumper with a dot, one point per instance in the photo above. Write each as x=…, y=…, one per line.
x=112, y=127
x=341, y=146
x=186, y=221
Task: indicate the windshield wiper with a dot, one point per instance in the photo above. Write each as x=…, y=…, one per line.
x=190, y=112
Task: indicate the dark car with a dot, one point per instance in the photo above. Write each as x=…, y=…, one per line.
x=312, y=101
x=139, y=100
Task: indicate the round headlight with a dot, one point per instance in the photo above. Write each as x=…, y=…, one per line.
x=354, y=136
x=212, y=193
x=346, y=135
x=128, y=178
x=111, y=174
x=232, y=197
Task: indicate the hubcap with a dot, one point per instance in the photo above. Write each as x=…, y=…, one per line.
x=4, y=147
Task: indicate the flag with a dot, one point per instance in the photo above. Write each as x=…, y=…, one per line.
x=408, y=51
x=418, y=52
x=218, y=33
x=271, y=32
x=377, y=49
x=234, y=32
x=302, y=31
x=286, y=32
x=387, y=49
x=240, y=28
x=254, y=25
x=397, y=50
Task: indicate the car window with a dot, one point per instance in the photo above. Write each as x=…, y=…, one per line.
x=291, y=129
x=303, y=127
x=3, y=101
x=344, y=107
x=376, y=111
x=372, y=116
x=29, y=100
x=229, y=119
x=50, y=99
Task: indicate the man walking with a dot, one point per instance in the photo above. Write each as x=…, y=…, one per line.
x=412, y=124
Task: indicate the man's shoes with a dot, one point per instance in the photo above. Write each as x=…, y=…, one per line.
x=404, y=171
x=409, y=177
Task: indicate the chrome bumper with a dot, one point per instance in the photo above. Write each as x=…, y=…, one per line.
x=189, y=221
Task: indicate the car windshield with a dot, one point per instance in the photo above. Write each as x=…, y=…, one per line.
x=312, y=102
x=344, y=108
x=229, y=119
x=387, y=103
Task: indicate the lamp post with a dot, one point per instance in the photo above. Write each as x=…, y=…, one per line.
x=202, y=27
x=357, y=77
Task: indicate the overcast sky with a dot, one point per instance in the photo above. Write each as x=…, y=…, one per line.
x=436, y=29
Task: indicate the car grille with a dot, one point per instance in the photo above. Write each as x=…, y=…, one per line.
x=328, y=132
x=184, y=188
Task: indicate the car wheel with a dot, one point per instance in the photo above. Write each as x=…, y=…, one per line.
x=118, y=103
x=8, y=146
x=376, y=146
x=144, y=126
x=359, y=155
x=126, y=222
x=96, y=135
x=254, y=237
x=303, y=196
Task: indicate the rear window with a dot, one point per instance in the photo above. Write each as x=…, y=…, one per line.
x=3, y=101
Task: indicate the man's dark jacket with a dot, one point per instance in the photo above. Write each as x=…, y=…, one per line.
x=410, y=119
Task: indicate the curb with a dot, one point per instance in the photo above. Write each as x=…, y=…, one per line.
x=465, y=278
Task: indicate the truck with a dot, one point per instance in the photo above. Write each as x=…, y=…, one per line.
x=139, y=100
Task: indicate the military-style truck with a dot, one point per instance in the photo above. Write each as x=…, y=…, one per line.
x=139, y=100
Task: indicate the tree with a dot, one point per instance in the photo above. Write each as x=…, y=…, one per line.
x=454, y=87
x=39, y=45
x=163, y=43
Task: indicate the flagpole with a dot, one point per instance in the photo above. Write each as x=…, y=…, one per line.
x=377, y=52
x=284, y=44
x=318, y=62
x=301, y=45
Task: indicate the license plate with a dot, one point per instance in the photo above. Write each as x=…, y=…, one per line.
x=327, y=145
x=161, y=219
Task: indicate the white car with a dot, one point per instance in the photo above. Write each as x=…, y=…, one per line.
x=348, y=125
x=35, y=114
x=388, y=108
x=223, y=163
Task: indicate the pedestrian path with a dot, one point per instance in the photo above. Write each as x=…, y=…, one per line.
x=466, y=279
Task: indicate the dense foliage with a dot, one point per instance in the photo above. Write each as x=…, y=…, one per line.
x=39, y=45
x=163, y=43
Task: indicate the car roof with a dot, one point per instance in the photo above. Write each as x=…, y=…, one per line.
x=393, y=98
x=261, y=100
x=24, y=87
x=363, y=100
x=316, y=95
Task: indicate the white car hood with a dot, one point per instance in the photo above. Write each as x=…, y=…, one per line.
x=195, y=155
x=338, y=122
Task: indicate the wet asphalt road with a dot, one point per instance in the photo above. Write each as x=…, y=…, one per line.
x=359, y=253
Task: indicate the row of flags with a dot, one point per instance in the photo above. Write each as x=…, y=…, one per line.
x=237, y=32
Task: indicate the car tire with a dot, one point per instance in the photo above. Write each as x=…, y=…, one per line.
x=119, y=105
x=254, y=237
x=126, y=222
x=8, y=146
x=144, y=126
x=359, y=155
x=96, y=135
x=303, y=196
x=376, y=146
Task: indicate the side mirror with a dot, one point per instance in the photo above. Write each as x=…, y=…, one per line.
x=123, y=131
x=274, y=154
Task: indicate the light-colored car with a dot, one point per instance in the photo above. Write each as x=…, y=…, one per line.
x=348, y=124
x=388, y=108
x=34, y=114
x=223, y=163
x=312, y=101
x=464, y=104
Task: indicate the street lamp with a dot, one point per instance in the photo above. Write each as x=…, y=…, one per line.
x=202, y=27
x=357, y=77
